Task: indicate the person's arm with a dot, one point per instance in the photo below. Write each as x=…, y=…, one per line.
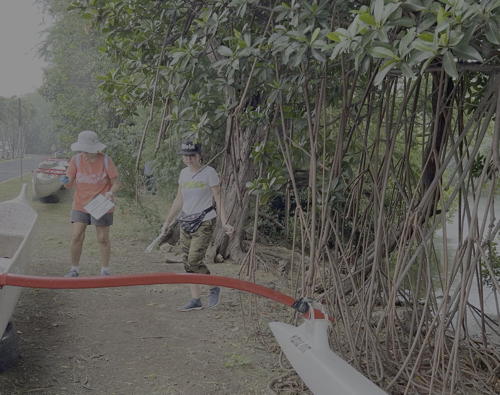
x=115, y=186
x=69, y=179
x=221, y=211
x=174, y=210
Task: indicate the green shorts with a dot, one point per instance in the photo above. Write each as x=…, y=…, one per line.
x=194, y=247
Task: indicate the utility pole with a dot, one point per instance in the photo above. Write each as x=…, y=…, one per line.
x=20, y=136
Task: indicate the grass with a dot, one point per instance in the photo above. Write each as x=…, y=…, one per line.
x=53, y=226
x=130, y=234
x=11, y=188
x=236, y=361
x=133, y=222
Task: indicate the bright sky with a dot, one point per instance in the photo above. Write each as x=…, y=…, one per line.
x=21, y=25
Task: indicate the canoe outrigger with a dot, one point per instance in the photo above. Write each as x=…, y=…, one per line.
x=305, y=346
x=17, y=220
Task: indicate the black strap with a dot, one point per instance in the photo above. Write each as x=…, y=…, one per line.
x=207, y=210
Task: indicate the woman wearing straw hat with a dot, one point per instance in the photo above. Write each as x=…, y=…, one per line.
x=91, y=173
x=199, y=188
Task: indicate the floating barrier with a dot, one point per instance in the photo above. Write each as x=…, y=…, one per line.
x=305, y=346
x=20, y=280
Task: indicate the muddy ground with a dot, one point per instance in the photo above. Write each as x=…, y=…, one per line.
x=131, y=340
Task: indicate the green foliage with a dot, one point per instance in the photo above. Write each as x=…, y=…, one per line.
x=121, y=146
x=25, y=126
x=39, y=130
x=70, y=83
x=235, y=360
x=196, y=62
x=291, y=82
x=273, y=179
x=408, y=36
x=474, y=87
x=478, y=165
x=206, y=53
x=493, y=257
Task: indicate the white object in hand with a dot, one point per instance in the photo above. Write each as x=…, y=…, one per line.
x=99, y=206
x=153, y=244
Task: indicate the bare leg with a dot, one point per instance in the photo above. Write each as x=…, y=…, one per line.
x=195, y=290
x=77, y=237
x=104, y=244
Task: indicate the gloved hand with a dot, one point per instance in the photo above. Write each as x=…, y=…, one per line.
x=64, y=179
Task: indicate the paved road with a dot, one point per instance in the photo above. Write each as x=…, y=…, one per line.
x=11, y=168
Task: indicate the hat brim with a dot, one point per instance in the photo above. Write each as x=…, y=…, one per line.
x=188, y=152
x=91, y=149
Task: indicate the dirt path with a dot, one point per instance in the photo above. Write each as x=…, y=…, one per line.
x=132, y=340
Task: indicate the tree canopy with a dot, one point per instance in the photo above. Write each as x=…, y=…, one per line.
x=365, y=123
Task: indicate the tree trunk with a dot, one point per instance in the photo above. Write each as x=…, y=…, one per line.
x=237, y=170
x=441, y=108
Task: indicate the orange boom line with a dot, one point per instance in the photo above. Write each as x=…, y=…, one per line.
x=19, y=280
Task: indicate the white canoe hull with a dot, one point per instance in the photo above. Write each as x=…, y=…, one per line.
x=324, y=372
x=46, y=178
x=17, y=221
x=45, y=185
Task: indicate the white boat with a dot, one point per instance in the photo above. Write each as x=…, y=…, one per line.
x=17, y=220
x=324, y=372
x=46, y=178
